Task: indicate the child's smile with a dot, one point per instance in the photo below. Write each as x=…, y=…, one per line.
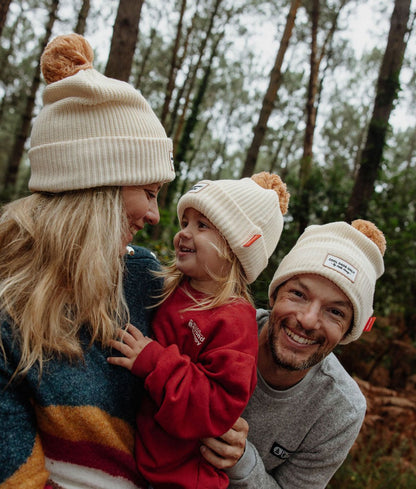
x=199, y=251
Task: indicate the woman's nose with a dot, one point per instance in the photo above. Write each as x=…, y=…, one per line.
x=152, y=216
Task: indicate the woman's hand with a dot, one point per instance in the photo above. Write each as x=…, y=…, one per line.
x=130, y=345
x=225, y=451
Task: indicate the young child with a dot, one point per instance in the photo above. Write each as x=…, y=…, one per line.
x=200, y=370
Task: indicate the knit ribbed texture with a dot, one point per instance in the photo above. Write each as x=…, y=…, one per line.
x=96, y=131
x=343, y=255
x=77, y=420
x=246, y=214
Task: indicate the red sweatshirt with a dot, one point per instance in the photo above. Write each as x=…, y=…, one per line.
x=200, y=374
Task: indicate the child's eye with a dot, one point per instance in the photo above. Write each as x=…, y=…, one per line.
x=203, y=225
x=151, y=194
x=184, y=224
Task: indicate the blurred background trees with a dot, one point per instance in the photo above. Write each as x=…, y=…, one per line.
x=288, y=86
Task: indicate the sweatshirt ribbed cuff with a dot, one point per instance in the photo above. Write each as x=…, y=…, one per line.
x=245, y=465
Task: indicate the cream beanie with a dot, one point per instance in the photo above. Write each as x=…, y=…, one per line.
x=93, y=131
x=248, y=214
x=350, y=256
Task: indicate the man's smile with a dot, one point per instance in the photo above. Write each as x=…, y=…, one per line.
x=297, y=338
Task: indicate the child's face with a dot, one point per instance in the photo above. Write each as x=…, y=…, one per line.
x=199, y=250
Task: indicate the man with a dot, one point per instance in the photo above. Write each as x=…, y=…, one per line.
x=306, y=411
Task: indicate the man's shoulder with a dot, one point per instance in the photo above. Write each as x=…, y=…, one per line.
x=341, y=382
x=262, y=316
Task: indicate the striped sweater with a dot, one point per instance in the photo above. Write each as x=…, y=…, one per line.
x=75, y=429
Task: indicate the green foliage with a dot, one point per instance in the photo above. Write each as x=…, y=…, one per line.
x=229, y=107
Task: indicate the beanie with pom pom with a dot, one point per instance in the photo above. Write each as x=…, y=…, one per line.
x=349, y=255
x=247, y=212
x=93, y=130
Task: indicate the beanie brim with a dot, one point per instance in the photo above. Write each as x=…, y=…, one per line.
x=146, y=160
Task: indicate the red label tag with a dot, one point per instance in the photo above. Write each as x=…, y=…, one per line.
x=252, y=240
x=369, y=324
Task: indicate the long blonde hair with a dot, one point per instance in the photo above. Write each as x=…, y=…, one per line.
x=60, y=269
x=231, y=286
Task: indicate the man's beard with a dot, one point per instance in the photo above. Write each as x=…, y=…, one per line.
x=292, y=364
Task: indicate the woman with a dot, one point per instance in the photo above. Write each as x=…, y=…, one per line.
x=98, y=158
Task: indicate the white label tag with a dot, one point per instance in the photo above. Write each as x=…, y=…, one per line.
x=341, y=266
x=198, y=187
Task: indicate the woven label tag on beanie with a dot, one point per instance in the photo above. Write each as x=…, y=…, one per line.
x=341, y=266
x=197, y=187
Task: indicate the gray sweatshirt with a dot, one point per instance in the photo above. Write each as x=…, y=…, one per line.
x=299, y=437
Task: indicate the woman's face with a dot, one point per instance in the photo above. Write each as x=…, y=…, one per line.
x=140, y=203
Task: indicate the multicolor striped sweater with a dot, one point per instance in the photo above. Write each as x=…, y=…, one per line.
x=75, y=428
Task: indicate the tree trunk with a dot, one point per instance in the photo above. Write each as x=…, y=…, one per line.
x=387, y=90
x=192, y=79
x=23, y=133
x=190, y=160
x=4, y=8
x=82, y=17
x=179, y=140
x=4, y=77
x=179, y=95
x=173, y=67
x=312, y=104
x=145, y=55
x=311, y=109
x=124, y=40
x=270, y=96
x=191, y=122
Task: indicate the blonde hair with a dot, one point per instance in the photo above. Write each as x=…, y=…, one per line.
x=61, y=269
x=231, y=286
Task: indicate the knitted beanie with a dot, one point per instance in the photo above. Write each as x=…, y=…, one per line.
x=350, y=256
x=248, y=215
x=93, y=131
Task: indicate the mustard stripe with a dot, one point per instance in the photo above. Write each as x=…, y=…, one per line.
x=32, y=474
x=86, y=423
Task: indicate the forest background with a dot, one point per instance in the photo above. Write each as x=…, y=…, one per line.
x=321, y=92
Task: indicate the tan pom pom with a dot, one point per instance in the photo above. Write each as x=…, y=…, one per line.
x=274, y=182
x=64, y=56
x=372, y=232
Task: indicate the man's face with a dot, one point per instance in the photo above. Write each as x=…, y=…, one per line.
x=309, y=318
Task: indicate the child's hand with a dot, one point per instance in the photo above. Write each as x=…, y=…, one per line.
x=131, y=344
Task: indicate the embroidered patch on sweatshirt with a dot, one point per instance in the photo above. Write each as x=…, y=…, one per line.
x=198, y=336
x=279, y=451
